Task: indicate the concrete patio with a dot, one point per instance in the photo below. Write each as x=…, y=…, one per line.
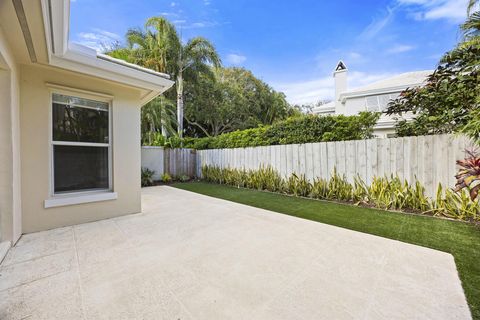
x=188, y=256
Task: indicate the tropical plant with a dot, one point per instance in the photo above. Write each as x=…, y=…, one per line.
x=147, y=177
x=166, y=178
x=390, y=193
x=455, y=205
x=157, y=116
x=184, y=178
x=450, y=99
x=159, y=47
x=298, y=185
x=468, y=176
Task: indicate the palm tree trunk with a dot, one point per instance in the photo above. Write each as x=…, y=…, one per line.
x=180, y=104
x=163, y=119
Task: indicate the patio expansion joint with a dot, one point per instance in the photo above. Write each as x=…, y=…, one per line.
x=33, y=281
x=32, y=259
x=82, y=304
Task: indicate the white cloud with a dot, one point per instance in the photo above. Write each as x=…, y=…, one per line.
x=311, y=91
x=451, y=10
x=236, y=59
x=184, y=24
x=377, y=25
x=98, y=39
x=400, y=48
x=173, y=4
x=179, y=21
x=169, y=14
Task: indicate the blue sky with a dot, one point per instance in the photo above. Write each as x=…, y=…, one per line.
x=293, y=46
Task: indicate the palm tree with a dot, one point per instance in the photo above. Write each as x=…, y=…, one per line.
x=196, y=55
x=158, y=114
x=471, y=27
x=160, y=48
x=471, y=6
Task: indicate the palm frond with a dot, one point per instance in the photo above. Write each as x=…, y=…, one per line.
x=471, y=27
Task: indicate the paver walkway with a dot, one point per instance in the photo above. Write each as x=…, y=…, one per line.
x=188, y=256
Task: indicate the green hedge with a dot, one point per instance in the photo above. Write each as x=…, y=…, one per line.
x=304, y=129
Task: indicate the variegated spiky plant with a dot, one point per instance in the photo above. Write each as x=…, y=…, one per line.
x=469, y=175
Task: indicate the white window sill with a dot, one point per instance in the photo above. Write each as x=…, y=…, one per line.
x=78, y=199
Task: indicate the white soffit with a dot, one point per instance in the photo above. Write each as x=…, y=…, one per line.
x=85, y=60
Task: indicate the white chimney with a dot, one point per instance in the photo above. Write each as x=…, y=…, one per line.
x=340, y=76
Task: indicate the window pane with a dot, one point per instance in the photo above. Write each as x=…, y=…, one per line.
x=79, y=124
x=63, y=99
x=80, y=168
x=384, y=99
x=371, y=103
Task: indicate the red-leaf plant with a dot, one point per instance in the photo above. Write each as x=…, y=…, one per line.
x=469, y=174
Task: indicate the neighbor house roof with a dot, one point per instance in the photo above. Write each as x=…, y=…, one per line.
x=393, y=84
x=326, y=108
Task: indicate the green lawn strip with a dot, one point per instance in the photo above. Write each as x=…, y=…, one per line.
x=460, y=239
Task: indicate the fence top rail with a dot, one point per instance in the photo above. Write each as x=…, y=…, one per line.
x=152, y=147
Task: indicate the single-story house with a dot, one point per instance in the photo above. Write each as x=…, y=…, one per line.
x=69, y=124
x=372, y=97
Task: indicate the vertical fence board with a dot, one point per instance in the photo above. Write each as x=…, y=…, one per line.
x=340, y=157
x=316, y=160
x=324, y=161
x=399, y=157
x=351, y=156
x=301, y=159
x=309, y=166
x=330, y=157
x=283, y=160
x=362, y=159
x=372, y=166
x=428, y=169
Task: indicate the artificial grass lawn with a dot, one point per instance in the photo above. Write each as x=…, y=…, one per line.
x=460, y=239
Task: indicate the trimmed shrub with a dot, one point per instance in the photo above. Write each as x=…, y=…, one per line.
x=295, y=130
x=305, y=129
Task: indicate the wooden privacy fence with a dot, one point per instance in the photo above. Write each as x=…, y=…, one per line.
x=176, y=162
x=430, y=159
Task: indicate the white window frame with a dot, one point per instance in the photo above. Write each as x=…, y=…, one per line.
x=83, y=193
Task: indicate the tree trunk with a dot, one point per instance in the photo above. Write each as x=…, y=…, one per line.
x=163, y=119
x=180, y=104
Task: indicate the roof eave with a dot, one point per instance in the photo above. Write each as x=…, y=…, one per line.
x=85, y=60
x=363, y=93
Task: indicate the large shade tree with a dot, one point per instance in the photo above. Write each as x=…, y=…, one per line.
x=231, y=99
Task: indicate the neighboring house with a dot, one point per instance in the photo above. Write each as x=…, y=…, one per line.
x=372, y=97
x=69, y=124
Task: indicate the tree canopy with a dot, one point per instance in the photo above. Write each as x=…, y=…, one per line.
x=450, y=99
x=231, y=99
x=210, y=99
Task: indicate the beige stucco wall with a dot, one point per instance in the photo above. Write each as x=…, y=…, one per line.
x=10, y=200
x=35, y=148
